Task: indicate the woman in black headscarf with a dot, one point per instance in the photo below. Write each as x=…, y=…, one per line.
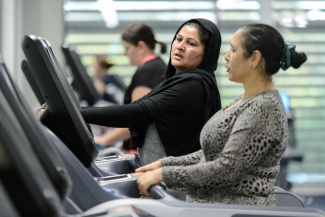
x=168, y=121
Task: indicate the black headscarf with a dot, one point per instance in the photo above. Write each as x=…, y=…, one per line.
x=212, y=52
x=177, y=130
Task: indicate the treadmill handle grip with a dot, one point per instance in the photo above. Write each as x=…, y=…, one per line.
x=157, y=192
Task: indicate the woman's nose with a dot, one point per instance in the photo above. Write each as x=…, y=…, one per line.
x=226, y=57
x=181, y=46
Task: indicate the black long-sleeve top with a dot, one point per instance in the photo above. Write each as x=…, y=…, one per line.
x=177, y=112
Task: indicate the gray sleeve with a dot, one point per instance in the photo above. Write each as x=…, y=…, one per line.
x=237, y=156
x=189, y=159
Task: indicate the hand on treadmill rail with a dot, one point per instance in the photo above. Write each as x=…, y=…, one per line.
x=149, y=179
x=149, y=167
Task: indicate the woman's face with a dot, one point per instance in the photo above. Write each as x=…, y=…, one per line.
x=99, y=71
x=132, y=52
x=187, y=49
x=237, y=66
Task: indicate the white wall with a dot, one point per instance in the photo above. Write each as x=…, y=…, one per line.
x=0, y=27
x=23, y=17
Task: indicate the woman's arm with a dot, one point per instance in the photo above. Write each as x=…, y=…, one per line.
x=116, y=135
x=121, y=134
x=185, y=160
x=153, y=172
x=139, y=92
x=131, y=115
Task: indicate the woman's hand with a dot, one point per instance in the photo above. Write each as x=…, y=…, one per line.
x=149, y=179
x=41, y=111
x=149, y=167
x=100, y=140
x=100, y=86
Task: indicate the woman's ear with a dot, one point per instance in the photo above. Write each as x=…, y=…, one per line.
x=142, y=48
x=256, y=58
x=142, y=44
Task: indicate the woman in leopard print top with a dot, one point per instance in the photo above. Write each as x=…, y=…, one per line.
x=242, y=144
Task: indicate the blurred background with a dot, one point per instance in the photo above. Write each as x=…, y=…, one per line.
x=94, y=27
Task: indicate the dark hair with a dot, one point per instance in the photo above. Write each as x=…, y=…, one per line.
x=203, y=33
x=138, y=31
x=270, y=43
x=101, y=60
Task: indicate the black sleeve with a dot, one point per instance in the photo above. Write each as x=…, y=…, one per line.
x=131, y=115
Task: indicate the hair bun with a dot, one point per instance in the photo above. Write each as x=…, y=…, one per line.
x=297, y=59
x=290, y=57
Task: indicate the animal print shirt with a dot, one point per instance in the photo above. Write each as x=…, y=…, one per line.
x=241, y=148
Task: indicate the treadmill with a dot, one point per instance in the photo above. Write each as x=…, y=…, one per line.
x=63, y=115
x=68, y=175
x=82, y=82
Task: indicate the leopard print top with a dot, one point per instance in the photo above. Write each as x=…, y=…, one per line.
x=239, y=159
